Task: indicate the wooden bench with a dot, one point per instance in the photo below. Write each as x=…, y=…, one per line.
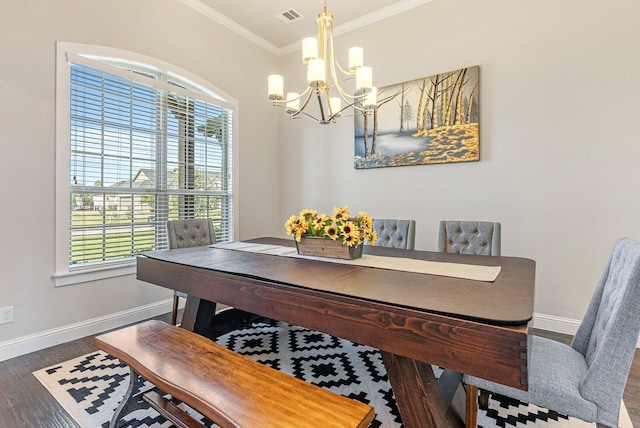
x=226, y=387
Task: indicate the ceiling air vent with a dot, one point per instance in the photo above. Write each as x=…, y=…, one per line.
x=289, y=16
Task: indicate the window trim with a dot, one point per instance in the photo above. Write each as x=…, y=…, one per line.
x=63, y=275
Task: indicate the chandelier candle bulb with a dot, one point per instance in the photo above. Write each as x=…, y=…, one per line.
x=356, y=60
x=309, y=49
x=364, y=78
x=276, y=87
x=371, y=98
x=335, y=103
x=315, y=73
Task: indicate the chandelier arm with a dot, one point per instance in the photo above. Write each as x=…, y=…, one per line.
x=348, y=73
x=355, y=106
x=348, y=98
x=293, y=116
x=333, y=56
x=333, y=61
x=301, y=109
x=298, y=112
x=283, y=104
x=344, y=95
x=322, y=116
x=306, y=102
x=285, y=101
x=363, y=110
x=337, y=85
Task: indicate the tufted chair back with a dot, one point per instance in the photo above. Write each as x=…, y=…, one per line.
x=395, y=233
x=608, y=334
x=469, y=237
x=191, y=232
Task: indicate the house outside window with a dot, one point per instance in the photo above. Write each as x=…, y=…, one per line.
x=143, y=146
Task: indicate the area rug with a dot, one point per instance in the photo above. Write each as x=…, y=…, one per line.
x=90, y=387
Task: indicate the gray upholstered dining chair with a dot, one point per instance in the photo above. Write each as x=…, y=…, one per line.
x=395, y=233
x=185, y=233
x=586, y=379
x=469, y=237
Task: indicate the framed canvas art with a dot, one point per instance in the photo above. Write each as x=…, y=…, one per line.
x=430, y=120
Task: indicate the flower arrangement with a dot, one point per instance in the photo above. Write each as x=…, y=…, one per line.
x=351, y=231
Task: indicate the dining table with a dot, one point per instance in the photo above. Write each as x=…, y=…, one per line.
x=464, y=313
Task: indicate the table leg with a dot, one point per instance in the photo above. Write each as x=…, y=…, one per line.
x=417, y=393
x=198, y=315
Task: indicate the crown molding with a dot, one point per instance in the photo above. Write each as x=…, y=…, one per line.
x=230, y=24
x=352, y=25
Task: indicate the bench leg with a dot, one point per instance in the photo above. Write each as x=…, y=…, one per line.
x=471, y=406
x=130, y=402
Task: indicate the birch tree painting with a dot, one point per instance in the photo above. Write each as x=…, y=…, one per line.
x=429, y=120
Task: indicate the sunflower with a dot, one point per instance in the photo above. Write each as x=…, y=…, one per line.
x=350, y=234
x=308, y=214
x=296, y=226
x=340, y=214
x=350, y=228
x=332, y=231
x=373, y=238
x=367, y=221
x=319, y=222
x=350, y=240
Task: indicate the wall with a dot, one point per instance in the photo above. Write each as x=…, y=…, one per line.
x=560, y=97
x=169, y=31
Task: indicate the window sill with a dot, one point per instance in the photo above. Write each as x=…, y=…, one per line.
x=93, y=274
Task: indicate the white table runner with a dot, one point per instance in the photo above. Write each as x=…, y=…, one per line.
x=454, y=270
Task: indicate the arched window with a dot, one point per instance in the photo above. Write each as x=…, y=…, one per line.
x=139, y=143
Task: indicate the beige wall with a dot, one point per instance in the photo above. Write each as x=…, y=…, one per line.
x=560, y=84
x=559, y=90
x=167, y=30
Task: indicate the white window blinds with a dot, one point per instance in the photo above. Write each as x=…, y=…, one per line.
x=144, y=149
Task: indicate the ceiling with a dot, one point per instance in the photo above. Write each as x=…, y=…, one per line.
x=262, y=21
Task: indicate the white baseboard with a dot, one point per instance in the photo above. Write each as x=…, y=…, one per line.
x=559, y=324
x=555, y=324
x=35, y=342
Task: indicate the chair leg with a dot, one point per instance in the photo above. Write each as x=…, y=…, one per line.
x=174, y=310
x=471, y=406
x=483, y=400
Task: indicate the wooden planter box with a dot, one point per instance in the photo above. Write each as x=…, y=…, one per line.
x=324, y=247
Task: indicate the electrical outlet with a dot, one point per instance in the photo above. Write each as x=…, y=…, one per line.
x=6, y=315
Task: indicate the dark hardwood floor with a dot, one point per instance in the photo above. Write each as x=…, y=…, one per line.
x=24, y=402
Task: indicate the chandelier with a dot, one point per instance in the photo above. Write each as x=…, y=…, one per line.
x=322, y=79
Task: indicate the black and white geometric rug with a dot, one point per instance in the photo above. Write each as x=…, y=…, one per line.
x=90, y=387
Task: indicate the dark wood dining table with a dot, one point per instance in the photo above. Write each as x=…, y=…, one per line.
x=415, y=319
